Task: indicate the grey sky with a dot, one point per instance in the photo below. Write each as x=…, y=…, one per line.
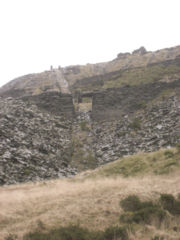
x=38, y=33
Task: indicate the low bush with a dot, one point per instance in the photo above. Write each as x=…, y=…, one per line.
x=71, y=232
x=136, y=124
x=170, y=204
x=84, y=126
x=145, y=215
x=131, y=203
x=158, y=238
x=145, y=212
x=115, y=232
x=178, y=147
x=168, y=154
x=74, y=232
x=140, y=212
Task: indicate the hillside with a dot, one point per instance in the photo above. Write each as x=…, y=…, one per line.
x=92, y=199
x=34, y=145
x=67, y=120
x=92, y=152
x=137, y=67
x=164, y=161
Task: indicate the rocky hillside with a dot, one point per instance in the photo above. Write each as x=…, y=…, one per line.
x=152, y=127
x=56, y=123
x=33, y=145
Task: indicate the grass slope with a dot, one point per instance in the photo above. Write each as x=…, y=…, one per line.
x=161, y=162
x=165, y=72
x=92, y=201
x=147, y=74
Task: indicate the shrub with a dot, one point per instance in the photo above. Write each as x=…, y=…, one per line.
x=74, y=232
x=140, y=212
x=115, y=232
x=178, y=147
x=136, y=124
x=71, y=232
x=168, y=154
x=131, y=203
x=144, y=212
x=170, y=203
x=147, y=214
x=144, y=215
x=157, y=238
x=91, y=161
x=84, y=126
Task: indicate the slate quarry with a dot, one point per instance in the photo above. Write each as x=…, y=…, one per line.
x=59, y=122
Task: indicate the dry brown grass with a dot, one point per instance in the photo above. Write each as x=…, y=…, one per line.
x=92, y=203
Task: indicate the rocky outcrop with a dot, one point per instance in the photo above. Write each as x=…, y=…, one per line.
x=140, y=51
x=123, y=55
x=34, y=145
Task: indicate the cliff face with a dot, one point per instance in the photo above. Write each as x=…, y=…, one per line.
x=58, y=122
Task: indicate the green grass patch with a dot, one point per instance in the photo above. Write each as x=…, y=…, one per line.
x=138, y=76
x=87, y=100
x=160, y=162
x=178, y=147
x=130, y=76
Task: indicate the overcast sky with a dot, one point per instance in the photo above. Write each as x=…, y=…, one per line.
x=38, y=33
